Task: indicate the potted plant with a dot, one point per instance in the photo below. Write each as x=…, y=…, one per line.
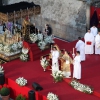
x=20, y=97
x=5, y=93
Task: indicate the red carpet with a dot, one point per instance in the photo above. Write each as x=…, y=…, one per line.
x=33, y=72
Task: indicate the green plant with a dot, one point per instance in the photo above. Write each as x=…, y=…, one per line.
x=4, y=91
x=20, y=97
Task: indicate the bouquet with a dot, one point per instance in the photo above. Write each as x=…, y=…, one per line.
x=24, y=56
x=57, y=75
x=44, y=63
x=20, y=44
x=81, y=87
x=1, y=70
x=1, y=47
x=14, y=47
x=33, y=37
x=21, y=81
x=40, y=36
x=7, y=49
x=48, y=39
x=52, y=96
x=41, y=45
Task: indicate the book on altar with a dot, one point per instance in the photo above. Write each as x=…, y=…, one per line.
x=88, y=42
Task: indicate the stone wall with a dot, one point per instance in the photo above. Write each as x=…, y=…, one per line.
x=66, y=17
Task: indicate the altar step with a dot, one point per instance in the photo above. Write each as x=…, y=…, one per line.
x=34, y=51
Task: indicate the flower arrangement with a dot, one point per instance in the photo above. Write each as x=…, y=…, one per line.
x=48, y=39
x=40, y=36
x=33, y=37
x=24, y=56
x=44, y=63
x=81, y=87
x=14, y=47
x=20, y=44
x=1, y=70
x=21, y=81
x=51, y=96
x=57, y=75
x=7, y=49
x=41, y=45
x=1, y=47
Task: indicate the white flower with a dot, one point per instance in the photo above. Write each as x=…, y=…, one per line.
x=14, y=46
x=41, y=45
x=24, y=57
x=21, y=81
x=44, y=62
x=81, y=87
x=7, y=49
x=1, y=47
x=51, y=96
x=40, y=36
x=48, y=39
x=33, y=37
x=25, y=50
x=20, y=44
x=57, y=75
x=1, y=69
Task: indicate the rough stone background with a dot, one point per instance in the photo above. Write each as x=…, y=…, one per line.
x=66, y=17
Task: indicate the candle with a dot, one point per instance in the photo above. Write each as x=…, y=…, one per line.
x=73, y=50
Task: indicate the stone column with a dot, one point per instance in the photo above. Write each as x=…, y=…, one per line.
x=87, y=16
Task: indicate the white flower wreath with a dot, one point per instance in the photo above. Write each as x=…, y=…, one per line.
x=81, y=87
x=21, y=81
x=51, y=96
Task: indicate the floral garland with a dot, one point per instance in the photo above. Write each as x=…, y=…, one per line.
x=57, y=75
x=1, y=70
x=21, y=81
x=44, y=63
x=24, y=56
x=51, y=96
x=81, y=87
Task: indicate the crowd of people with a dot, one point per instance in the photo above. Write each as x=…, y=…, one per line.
x=89, y=45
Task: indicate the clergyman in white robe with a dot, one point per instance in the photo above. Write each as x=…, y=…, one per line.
x=94, y=30
x=89, y=43
x=77, y=67
x=55, y=56
x=97, y=44
x=80, y=46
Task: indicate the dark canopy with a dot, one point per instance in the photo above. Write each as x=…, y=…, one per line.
x=16, y=7
x=18, y=10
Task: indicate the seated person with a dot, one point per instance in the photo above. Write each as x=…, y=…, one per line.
x=66, y=60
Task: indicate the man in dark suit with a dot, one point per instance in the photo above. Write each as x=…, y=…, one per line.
x=48, y=30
